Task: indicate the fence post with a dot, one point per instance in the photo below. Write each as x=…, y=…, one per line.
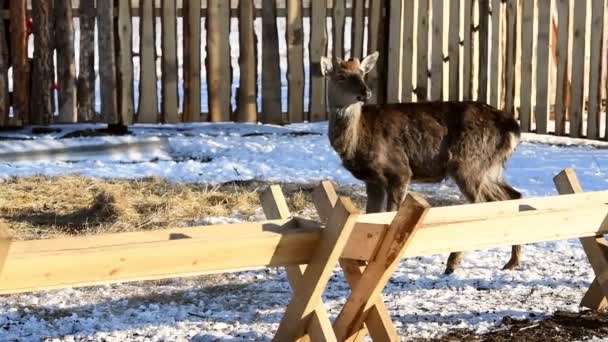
x=192, y=60
x=271, y=73
x=510, y=60
x=86, y=76
x=4, y=56
x=578, y=67
x=147, y=111
x=21, y=65
x=42, y=78
x=170, y=99
x=562, y=92
x=295, y=61
x=125, y=63
x=107, y=61
x=318, y=48
x=66, y=67
x=358, y=20
x=422, y=78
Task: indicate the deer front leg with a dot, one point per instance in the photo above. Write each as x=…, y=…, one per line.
x=396, y=190
x=376, y=196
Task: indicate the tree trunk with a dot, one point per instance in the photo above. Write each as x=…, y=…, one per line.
x=20, y=62
x=107, y=61
x=66, y=68
x=86, y=77
x=42, y=79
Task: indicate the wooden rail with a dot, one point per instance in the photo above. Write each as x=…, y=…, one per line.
x=367, y=247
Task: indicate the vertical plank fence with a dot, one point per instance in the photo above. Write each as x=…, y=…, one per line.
x=478, y=50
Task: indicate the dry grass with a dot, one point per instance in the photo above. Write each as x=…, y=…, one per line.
x=42, y=207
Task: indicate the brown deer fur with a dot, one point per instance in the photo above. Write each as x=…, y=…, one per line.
x=389, y=146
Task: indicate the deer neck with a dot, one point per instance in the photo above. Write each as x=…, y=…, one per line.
x=345, y=128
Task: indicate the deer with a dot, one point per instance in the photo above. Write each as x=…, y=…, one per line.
x=390, y=146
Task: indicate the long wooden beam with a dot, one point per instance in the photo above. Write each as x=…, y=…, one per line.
x=81, y=261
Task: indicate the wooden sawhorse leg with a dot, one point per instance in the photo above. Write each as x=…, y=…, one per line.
x=595, y=247
x=305, y=318
x=365, y=306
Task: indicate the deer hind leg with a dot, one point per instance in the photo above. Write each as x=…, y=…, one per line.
x=376, y=197
x=511, y=194
x=396, y=190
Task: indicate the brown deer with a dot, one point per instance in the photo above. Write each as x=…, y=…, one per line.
x=389, y=146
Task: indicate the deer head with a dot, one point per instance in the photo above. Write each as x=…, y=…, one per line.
x=346, y=83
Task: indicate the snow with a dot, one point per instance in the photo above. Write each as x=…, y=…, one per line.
x=249, y=305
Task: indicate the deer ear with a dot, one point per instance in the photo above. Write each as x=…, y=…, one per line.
x=326, y=66
x=369, y=62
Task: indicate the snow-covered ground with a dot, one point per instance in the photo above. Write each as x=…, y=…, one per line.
x=249, y=305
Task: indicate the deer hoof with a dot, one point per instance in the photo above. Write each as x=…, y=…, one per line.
x=511, y=265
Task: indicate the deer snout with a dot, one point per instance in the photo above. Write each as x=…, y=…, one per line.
x=365, y=96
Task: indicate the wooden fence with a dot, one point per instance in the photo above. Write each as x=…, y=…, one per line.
x=543, y=61
x=367, y=247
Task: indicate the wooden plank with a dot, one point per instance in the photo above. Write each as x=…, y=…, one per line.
x=5, y=244
x=307, y=296
x=20, y=61
x=147, y=110
x=170, y=99
x=192, y=60
x=295, y=61
x=275, y=208
x=126, y=104
x=566, y=182
x=47, y=264
x=542, y=66
x=357, y=29
x=562, y=84
x=271, y=74
x=408, y=51
x=595, y=71
x=468, y=52
x=379, y=323
x=496, y=52
x=66, y=65
x=525, y=108
x=338, y=22
x=218, y=60
x=375, y=42
x=454, y=51
x=380, y=268
x=107, y=61
x=43, y=73
x=318, y=49
x=578, y=67
x=394, y=62
x=511, y=57
x=86, y=68
x=247, y=94
x=437, y=52
x=482, y=89
x=422, y=48
x=4, y=64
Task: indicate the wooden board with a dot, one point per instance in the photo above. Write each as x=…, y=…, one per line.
x=468, y=52
x=337, y=24
x=126, y=104
x=4, y=60
x=437, y=52
x=422, y=49
x=408, y=51
x=20, y=61
x=295, y=61
x=170, y=100
x=496, y=52
x=107, y=62
x=317, y=48
x=101, y=259
x=395, y=52
x=525, y=109
x=192, y=61
x=271, y=73
x=595, y=71
x=66, y=65
x=147, y=111
x=511, y=57
x=357, y=29
x=542, y=66
x=454, y=51
x=578, y=75
x=86, y=67
x=247, y=93
x=482, y=89
x=218, y=60
x=43, y=75
x=562, y=84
